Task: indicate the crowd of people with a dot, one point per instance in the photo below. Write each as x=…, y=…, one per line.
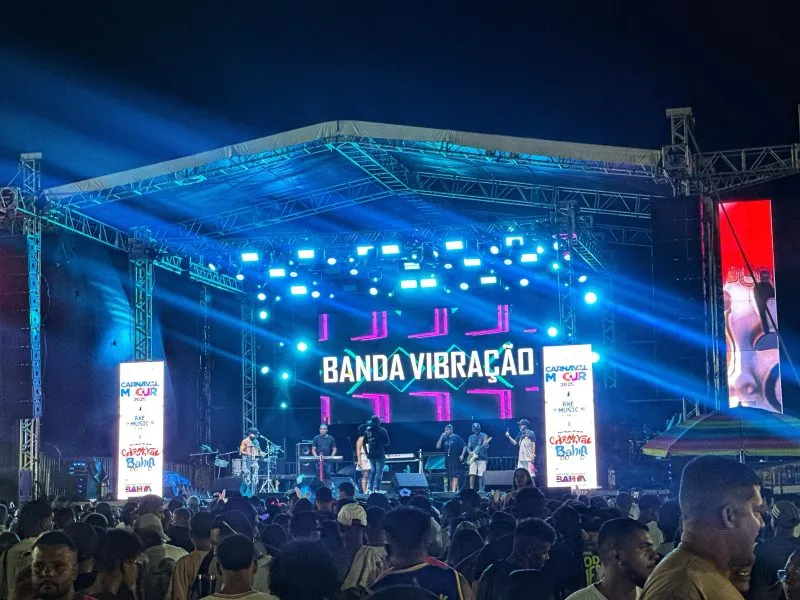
x=719, y=540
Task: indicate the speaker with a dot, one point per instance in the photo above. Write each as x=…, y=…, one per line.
x=411, y=481
x=498, y=479
x=229, y=484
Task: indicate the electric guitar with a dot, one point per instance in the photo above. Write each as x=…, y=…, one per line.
x=473, y=456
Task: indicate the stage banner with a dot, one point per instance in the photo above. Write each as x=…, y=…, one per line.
x=570, y=448
x=752, y=355
x=140, y=458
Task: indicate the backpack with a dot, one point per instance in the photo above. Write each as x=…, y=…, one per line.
x=156, y=582
x=204, y=583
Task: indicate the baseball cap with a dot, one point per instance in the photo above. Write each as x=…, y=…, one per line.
x=785, y=514
x=349, y=513
x=151, y=522
x=523, y=422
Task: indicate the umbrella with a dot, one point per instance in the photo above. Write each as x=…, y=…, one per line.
x=735, y=432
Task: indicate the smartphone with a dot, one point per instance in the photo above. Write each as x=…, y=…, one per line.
x=264, y=517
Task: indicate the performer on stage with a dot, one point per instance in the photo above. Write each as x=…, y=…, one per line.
x=526, y=440
x=377, y=440
x=478, y=448
x=250, y=449
x=324, y=445
x=455, y=449
x=362, y=462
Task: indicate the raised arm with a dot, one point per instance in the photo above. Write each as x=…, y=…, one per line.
x=511, y=439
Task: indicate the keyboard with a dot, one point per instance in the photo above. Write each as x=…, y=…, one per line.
x=409, y=456
x=316, y=458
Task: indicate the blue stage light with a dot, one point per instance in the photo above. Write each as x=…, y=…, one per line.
x=411, y=266
x=494, y=249
x=284, y=405
x=315, y=294
x=595, y=357
x=507, y=261
x=552, y=331
x=463, y=285
x=298, y=290
x=212, y=266
x=488, y=279
x=261, y=296
x=567, y=256
x=277, y=272
x=250, y=257
x=408, y=284
x=264, y=370
x=285, y=376
x=331, y=260
x=263, y=315
x=429, y=282
x=523, y=282
x=582, y=279
x=239, y=277
x=514, y=240
x=301, y=346
x=539, y=249
x=448, y=266
x=390, y=249
x=305, y=253
x=590, y=298
x=292, y=273
x=472, y=262
x=363, y=250
x=454, y=244
x=555, y=245
x=528, y=257
x=555, y=266
x=354, y=272
x=277, y=298
x=373, y=291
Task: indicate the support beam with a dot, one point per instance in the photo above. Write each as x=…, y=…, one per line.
x=204, y=393
x=249, y=394
x=28, y=458
x=141, y=262
x=609, y=337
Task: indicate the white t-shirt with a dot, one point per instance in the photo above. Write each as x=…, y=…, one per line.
x=587, y=593
x=526, y=446
x=251, y=595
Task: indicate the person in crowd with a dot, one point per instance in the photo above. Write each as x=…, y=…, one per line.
x=499, y=544
x=377, y=441
x=789, y=576
x=669, y=523
x=464, y=543
x=329, y=535
x=364, y=562
x=455, y=449
x=193, y=504
x=96, y=520
x=274, y=537
x=379, y=500
x=127, y=515
x=105, y=509
x=628, y=557
x=720, y=502
x=623, y=503
x=772, y=554
x=362, y=460
x=237, y=559
x=35, y=518
x=303, y=570
x=566, y=566
x=304, y=525
x=407, y=552
x=179, y=532
x=117, y=564
x=161, y=556
x=151, y=504
x=84, y=536
x=403, y=592
x=347, y=491
x=471, y=505
x=324, y=445
x=7, y=540
x=649, y=507
x=478, y=453
x=54, y=567
x=376, y=535
x=63, y=517
x=522, y=479
x=532, y=541
x=188, y=567
x=435, y=545
x=526, y=441
x=3, y=518
x=323, y=501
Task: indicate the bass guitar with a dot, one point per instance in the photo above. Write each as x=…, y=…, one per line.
x=473, y=456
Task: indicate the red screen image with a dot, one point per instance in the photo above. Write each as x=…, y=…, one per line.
x=751, y=318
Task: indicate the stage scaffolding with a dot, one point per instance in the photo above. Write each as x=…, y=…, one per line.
x=596, y=195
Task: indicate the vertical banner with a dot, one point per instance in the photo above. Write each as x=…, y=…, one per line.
x=140, y=457
x=751, y=342
x=570, y=449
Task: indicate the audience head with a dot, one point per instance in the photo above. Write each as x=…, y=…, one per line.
x=237, y=554
x=625, y=548
x=290, y=568
x=63, y=517
x=347, y=490
x=200, y=528
x=374, y=421
x=789, y=577
x=530, y=503
x=598, y=502
x=422, y=503
x=274, y=537
x=406, y=533
x=470, y=500
x=785, y=518
x=649, y=505
x=721, y=497
x=623, y=502
x=323, y=498
x=463, y=543
x=302, y=505
x=567, y=522
x=379, y=500
x=96, y=520
x=303, y=525
x=105, y=509
x=181, y=517
x=174, y=504
x=151, y=504
x=35, y=518
x=117, y=551
x=7, y=539
x=532, y=541
x=352, y=515
x=501, y=525
x=54, y=566
x=376, y=517
x=669, y=519
x=452, y=509
x=151, y=530
x=522, y=479
x=84, y=536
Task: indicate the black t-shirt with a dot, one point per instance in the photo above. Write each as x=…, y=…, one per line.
x=527, y=432
x=377, y=440
x=771, y=555
x=324, y=445
x=494, y=583
x=453, y=445
x=566, y=569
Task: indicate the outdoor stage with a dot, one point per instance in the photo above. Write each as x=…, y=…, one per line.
x=242, y=268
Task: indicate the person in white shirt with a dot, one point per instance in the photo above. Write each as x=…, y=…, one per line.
x=649, y=508
x=628, y=557
x=237, y=557
x=526, y=441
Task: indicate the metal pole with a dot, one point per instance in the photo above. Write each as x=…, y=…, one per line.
x=141, y=262
x=248, y=365
x=204, y=395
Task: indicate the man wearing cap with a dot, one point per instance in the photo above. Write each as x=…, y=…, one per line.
x=772, y=554
x=526, y=440
x=250, y=449
x=455, y=449
x=366, y=562
x=161, y=556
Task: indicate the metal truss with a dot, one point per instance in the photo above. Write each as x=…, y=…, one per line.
x=204, y=395
x=609, y=337
x=28, y=456
x=202, y=274
x=141, y=262
x=33, y=235
x=728, y=170
x=249, y=395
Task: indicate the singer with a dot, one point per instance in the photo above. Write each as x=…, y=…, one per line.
x=454, y=448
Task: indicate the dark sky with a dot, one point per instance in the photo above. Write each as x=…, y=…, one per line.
x=103, y=86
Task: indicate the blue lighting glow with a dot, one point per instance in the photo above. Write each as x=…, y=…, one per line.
x=528, y=257
x=464, y=286
x=555, y=245
x=552, y=331
x=524, y=282
x=285, y=377
x=277, y=272
x=514, y=240
x=448, y=266
x=539, y=249
x=567, y=256
x=429, y=282
x=507, y=261
x=373, y=291
x=454, y=244
x=590, y=298
x=301, y=346
x=250, y=257
x=284, y=406
x=389, y=249
x=292, y=273
x=472, y=262
x=264, y=370
x=411, y=266
x=353, y=272
x=239, y=277
x=494, y=249
x=263, y=315
x=363, y=250
x=555, y=266
x=212, y=266
x=261, y=296
x=595, y=357
x=298, y=290
x=408, y=284
x=488, y=279
x=305, y=253
x=331, y=260
x=582, y=279
x=315, y=294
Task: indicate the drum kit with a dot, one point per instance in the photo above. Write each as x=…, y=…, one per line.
x=267, y=462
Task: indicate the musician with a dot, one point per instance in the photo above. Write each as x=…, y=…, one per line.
x=526, y=441
x=250, y=450
x=478, y=444
x=324, y=445
x=455, y=449
x=377, y=441
x=362, y=462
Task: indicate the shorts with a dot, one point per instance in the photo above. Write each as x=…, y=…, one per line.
x=478, y=468
x=363, y=462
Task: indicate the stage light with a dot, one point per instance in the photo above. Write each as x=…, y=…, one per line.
x=408, y=284
x=350, y=259
x=414, y=256
x=285, y=377
x=263, y=315
x=567, y=256
x=277, y=298
x=261, y=296
x=363, y=250
x=528, y=257
x=472, y=262
x=292, y=273
x=390, y=249
x=284, y=405
x=250, y=257
x=301, y=346
x=590, y=298
x=376, y=279
x=331, y=260
x=373, y=291
x=595, y=357
x=539, y=249
x=552, y=331
x=305, y=254
x=464, y=286
x=353, y=272
x=264, y=370
x=494, y=249
x=331, y=296
x=239, y=277
x=315, y=294
x=507, y=261
x=298, y=290
x=488, y=280
x=212, y=266
x=429, y=282
x=555, y=266
x=411, y=266
x=582, y=279
x=512, y=240
x=454, y=244
x=281, y=344
x=277, y=272
x=555, y=245
x=435, y=253
x=523, y=282
x=448, y=266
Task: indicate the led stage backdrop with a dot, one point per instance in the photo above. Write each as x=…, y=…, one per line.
x=753, y=359
x=440, y=363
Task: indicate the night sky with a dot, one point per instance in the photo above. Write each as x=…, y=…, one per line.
x=104, y=86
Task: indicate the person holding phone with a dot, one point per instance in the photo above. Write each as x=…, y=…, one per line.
x=526, y=441
x=455, y=449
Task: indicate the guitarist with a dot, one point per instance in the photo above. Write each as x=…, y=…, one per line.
x=477, y=447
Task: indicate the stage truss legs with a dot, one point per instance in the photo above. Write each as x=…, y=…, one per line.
x=609, y=338
x=248, y=365
x=566, y=233
x=141, y=262
x=204, y=395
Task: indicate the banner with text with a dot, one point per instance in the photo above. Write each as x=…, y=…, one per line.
x=140, y=458
x=570, y=446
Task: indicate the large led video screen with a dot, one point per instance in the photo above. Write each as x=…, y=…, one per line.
x=752, y=355
x=438, y=363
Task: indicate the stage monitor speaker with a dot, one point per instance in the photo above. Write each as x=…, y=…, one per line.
x=498, y=480
x=416, y=482
x=229, y=484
